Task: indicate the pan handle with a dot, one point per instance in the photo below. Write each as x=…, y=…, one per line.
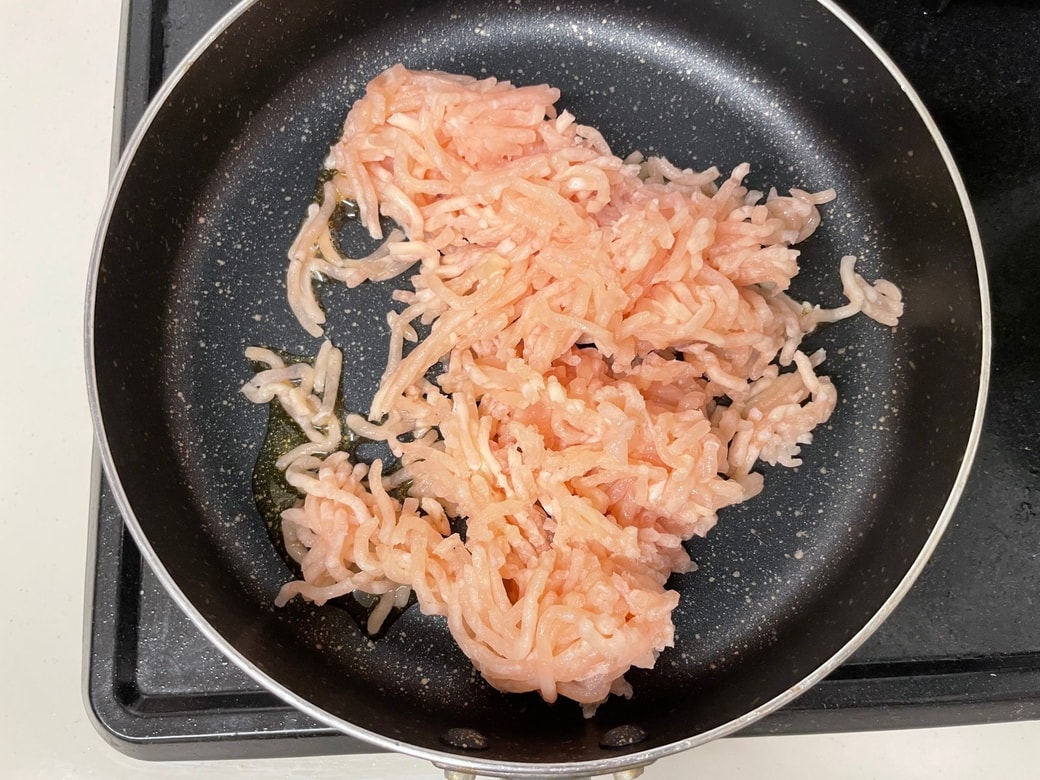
x=625, y=774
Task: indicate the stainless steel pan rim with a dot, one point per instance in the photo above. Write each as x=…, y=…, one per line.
x=455, y=761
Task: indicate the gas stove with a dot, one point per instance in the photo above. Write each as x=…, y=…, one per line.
x=963, y=647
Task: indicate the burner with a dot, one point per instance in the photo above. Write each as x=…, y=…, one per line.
x=963, y=647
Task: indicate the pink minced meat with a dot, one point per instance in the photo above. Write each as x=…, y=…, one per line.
x=588, y=315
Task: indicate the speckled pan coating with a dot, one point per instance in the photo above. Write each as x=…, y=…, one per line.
x=190, y=271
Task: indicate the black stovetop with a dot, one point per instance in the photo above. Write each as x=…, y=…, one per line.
x=964, y=646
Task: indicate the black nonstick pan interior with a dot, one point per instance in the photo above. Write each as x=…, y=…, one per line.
x=191, y=271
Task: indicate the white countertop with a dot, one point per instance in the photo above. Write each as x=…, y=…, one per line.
x=57, y=69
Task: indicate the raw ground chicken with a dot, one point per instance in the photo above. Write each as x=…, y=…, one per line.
x=614, y=352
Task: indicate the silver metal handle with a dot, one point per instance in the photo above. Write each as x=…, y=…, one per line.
x=624, y=774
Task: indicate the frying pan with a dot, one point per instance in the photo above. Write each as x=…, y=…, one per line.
x=188, y=270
